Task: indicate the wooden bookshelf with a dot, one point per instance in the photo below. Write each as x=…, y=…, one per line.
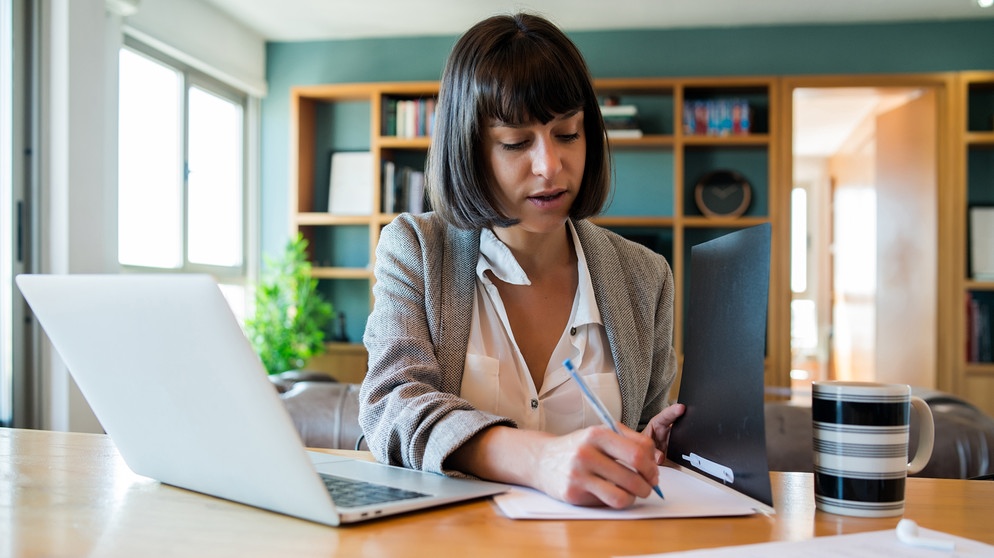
x=972, y=366
x=652, y=203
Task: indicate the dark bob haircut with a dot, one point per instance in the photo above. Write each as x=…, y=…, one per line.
x=513, y=69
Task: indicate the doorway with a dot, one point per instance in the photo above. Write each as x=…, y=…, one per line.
x=864, y=232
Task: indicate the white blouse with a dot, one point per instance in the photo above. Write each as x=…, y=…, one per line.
x=496, y=378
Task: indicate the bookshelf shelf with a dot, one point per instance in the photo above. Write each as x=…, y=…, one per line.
x=724, y=223
x=647, y=141
x=394, y=142
x=971, y=285
x=329, y=219
x=980, y=138
x=341, y=273
x=633, y=221
x=654, y=177
x=983, y=370
x=727, y=141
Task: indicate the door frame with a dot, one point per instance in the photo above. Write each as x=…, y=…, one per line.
x=943, y=84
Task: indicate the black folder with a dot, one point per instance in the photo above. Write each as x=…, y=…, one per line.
x=722, y=434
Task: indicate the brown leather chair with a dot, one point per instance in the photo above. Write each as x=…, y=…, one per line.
x=325, y=412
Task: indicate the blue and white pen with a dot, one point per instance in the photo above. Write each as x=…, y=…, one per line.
x=599, y=407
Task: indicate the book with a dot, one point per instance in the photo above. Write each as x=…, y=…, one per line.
x=621, y=121
x=979, y=335
x=408, y=118
x=350, y=188
x=716, y=117
x=388, y=192
x=622, y=133
x=618, y=110
x=982, y=243
x=389, y=117
x=403, y=189
x=415, y=191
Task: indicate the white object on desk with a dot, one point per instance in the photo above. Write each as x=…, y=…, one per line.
x=874, y=544
x=907, y=532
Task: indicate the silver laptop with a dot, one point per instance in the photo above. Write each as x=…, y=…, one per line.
x=173, y=380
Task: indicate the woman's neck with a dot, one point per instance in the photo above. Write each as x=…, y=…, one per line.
x=538, y=252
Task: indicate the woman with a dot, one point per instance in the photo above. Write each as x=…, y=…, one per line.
x=479, y=303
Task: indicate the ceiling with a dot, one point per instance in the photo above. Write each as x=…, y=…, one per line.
x=300, y=20
x=823, y=118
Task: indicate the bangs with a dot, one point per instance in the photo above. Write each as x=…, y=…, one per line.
x=527, y=82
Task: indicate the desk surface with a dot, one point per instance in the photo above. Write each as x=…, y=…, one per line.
x=67, y=494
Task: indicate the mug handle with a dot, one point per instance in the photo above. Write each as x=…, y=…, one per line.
x=926, y=435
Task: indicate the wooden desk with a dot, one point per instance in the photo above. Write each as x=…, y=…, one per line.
x=72, y=495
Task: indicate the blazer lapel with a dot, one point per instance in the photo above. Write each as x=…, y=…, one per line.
x=611, y=290
x=461, y=250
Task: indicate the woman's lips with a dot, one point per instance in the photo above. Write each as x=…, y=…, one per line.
x=547, y=199
x=548, y=195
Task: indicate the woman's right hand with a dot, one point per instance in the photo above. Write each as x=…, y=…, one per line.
x=593, y=466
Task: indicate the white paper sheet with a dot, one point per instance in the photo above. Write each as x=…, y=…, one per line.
x=875, y=544
x=686, y=496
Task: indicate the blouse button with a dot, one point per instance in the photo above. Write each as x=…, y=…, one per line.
x=534, y=403
x=572, y=331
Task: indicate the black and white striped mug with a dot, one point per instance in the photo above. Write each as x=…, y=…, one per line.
x=860, y=441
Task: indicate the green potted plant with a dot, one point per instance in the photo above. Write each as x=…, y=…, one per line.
x=287, y=327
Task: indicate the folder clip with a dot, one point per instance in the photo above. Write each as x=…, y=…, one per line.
x=711, y=468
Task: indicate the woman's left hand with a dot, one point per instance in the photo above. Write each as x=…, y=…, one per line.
x=659, y=429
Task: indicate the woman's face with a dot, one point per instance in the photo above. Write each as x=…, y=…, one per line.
x=537, y=168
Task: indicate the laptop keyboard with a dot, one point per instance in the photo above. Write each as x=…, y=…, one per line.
x=351, y=493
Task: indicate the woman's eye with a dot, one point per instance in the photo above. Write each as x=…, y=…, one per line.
x=513, y=146
x=569, y=138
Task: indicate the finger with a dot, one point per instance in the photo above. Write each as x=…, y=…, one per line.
x=601, y=492
x=631, y=461
x=669, y=415
x=659, y=427
x=614, y=484
x=609, y=493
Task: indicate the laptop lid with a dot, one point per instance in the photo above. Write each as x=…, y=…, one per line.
x=173, y=380
x=722, y=434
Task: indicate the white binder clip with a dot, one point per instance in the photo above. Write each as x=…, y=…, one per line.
x=711, y=468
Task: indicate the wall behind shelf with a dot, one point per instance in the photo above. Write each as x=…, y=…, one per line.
x=761, y=51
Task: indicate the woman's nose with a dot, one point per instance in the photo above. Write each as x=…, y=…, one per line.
x=546, y=159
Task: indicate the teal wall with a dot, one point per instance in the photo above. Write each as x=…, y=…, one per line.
x=767, y=51
x=829, y=49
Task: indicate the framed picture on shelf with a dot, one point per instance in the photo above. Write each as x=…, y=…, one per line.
x=350, y=189
x=982, y=243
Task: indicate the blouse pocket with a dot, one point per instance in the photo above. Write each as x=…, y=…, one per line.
x=605, y=385
x=480, y=383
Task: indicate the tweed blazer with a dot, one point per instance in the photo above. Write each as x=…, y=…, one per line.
x=417, y=334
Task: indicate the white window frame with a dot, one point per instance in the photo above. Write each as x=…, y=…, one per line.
x=193, y=77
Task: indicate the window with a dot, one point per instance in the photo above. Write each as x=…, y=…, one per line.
x=181, y=177
x=7, y=214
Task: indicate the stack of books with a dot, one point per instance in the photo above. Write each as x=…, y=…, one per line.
x=621, y=121
x=408, y=118
x=979, y=336
x=716, y=117
x=403, y=189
